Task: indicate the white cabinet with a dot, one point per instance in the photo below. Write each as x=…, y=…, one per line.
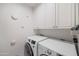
x=65, y=15
x=77, y=14
x=44, y=16
x=59, y=15
x=49, y=17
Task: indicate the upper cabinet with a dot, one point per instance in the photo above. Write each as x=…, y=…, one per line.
x=77, y=13
x=59, y=15
x=65, y=15
x=49, y=16
x=44, y=16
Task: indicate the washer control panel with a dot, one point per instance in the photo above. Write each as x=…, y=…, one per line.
x=49, y=52
x=32, y=41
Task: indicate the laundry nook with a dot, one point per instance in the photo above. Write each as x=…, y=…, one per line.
x=39, y=29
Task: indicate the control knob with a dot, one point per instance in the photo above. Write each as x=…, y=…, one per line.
x=49, y=52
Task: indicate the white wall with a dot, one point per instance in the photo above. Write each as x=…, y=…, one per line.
x=64, y=34
x=14, y=30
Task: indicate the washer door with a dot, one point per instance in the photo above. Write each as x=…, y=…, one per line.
x=28, y=50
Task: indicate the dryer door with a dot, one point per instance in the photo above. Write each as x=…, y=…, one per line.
x=28, y=50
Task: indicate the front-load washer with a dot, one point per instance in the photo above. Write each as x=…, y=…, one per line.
x=31, y=45
x=54, y=47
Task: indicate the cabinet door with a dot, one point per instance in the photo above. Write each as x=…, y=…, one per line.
x=44, y=16
x=49, y=17
x=38, y=16
x=65, y=15
x=77, y=14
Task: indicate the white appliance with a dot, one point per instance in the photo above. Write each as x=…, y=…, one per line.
x=54, y=47
x=31, y=45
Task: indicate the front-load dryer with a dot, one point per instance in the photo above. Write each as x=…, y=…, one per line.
x=31, y=45
x=54, y=47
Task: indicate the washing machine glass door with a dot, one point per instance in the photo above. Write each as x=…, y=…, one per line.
x=28, y=50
